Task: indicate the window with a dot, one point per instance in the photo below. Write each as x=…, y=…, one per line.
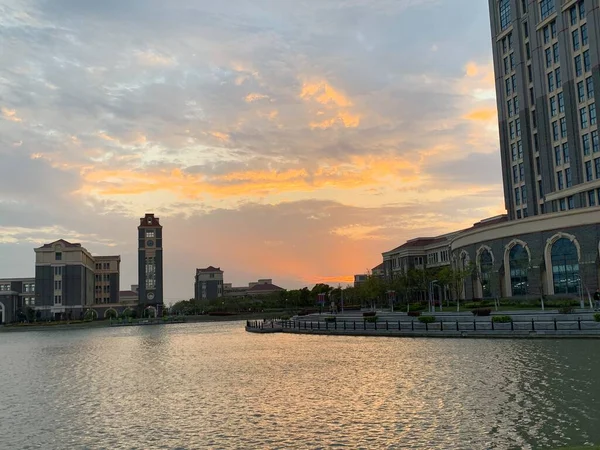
x=565, y=149
x=485, y=269
x=558, y=78
x=524, y=194
x=578, y=68
x=592, y=198
x=508, y=85
x=563, y=127
x=592, y=114
x=561, y=102
x=528, y=52
x=589, y=176
x=575, y=35
x=531, y=96
x=571, y=202
x=540, y=188
x=511, y=127
x=106, y=266
x=557, y=156
x=559, y=177
x=583, y=118
x=584, y=35
x=57, y=285
x=98, y=266
x=565, y=267
x=555, y=53
x=518, y=265
x=516, y=173
x=58, y=256
x=555, y=130
x=563, y=204
x=536, y=144
x=513, y=80
x=57, y=299
x=551, y=82
x=553, y=108
x=509, y=104
x=573, y=15
x=512, y=61
x=586, y=144
x=581, y=91
x=504, y=14
x=546, y=34
x=589, y=82
x=537, y=165
x=58, y=270
x=595, y=142
x=510, y=41
x=586, y=61
x=553, y=28
x=519, y=149
x=519, y=214
x=517, y=196
x=597, y=167
x=548, y=58
x=150, y=234
x=525, y=214
x=518, y=127
x=568, y=177
x=581, y=10
x=529, y=74
x=516, y=105
x=513, y=149
x=106, y=277
x=546, y=8
x=522, y=171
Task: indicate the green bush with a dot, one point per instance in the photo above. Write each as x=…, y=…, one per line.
x=416, y=307
x=502, y=319
x=597, y=317
x=426, y=319
x=371, y=319
x=287, y=318
x=329, y=319
x=481, y=312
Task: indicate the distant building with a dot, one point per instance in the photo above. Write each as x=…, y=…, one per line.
x=64, y=280
x=263, y=286
x=15, y=294
x=208, y=283
x=107, y=270
x=360, y=279
x=129, y=298
x=150, y=263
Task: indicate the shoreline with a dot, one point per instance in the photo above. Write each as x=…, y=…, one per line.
x=107, y=324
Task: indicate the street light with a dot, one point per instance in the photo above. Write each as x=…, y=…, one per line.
x=431, y=301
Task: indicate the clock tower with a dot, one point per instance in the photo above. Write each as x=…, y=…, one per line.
x=150, y=263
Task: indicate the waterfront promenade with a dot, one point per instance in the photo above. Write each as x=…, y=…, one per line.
x=445, y=325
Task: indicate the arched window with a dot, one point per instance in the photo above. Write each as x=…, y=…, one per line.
x=565, y=267
x=485, y=270
x=519, y=262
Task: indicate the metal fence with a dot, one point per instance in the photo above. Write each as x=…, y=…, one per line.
x=441, y=325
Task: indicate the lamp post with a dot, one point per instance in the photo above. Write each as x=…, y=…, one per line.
x=431, y=299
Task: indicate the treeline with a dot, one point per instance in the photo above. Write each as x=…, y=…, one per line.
x=411, y=287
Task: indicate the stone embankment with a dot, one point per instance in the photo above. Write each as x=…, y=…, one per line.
x=449, y=325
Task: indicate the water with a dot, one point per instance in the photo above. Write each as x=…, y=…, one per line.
x=211, y=385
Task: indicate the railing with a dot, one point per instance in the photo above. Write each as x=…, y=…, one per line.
x=414, y=325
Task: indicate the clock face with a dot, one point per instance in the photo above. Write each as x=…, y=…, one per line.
x=150, y=243
x=150, y=295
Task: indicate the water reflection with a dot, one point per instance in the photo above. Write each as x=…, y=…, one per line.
x=215, y=386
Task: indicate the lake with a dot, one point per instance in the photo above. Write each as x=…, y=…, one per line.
x=212, y=385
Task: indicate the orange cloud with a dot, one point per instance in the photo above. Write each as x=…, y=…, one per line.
x=337, y=105
x=483, y=115
x=10, y=114
x=252, y=97
x=220, y=136
x=324, y=94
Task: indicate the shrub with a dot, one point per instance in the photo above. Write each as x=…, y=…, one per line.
x=371, y=319
x=287, y=318
x=566, y=310
x=426, y=319
x=416, y=307
x=369, y=314
x=502, y=319
x=413, y=313
x=482, y=312
x=597, y=317
x=329, y=319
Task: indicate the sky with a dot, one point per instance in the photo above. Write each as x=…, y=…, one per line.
x=288, y=139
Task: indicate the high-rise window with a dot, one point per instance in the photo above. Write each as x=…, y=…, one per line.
x=560, y=180
x=583, y=118
x=558, y=78
x=517, y=196
x=595, y=142
x=573, y=15
x=578, y=68
x=561, y=102
x=557, y=155
x=592, y=109
x=581, y=6
x=575, y=38
x=521, y=172
x=519, y=149
x=515, y=170
x=589, y=175
x=585, y=139
x=563, y=127
x=590, y=87
x=546, y=8
x=513, y=149
x=504, y=13
x=587, y=63
x=581, y=91
x=555, y=53
x=568, y=179
x=555, y=130
x=597, y=167
x=565, y=149
x=591, y=198
x=551, y=82
x=584, y=35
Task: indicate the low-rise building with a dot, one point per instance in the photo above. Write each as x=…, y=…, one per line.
x=16, y=295
x=106, y=275
x=208, y=284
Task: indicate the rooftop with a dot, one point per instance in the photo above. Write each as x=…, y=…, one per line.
x=209, y=269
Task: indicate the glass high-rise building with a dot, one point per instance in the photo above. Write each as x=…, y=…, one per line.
x=546, y=58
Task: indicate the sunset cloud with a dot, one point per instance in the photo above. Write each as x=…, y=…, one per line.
x=284, y=131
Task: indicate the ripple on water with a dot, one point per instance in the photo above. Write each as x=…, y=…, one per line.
x=215, y=386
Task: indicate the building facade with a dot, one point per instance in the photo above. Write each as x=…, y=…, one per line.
x=546, y=64
x=208, y=284
x=16, y=295
x=546, y=56
x=150, y=263
x=107, y=279
x=64, y=280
